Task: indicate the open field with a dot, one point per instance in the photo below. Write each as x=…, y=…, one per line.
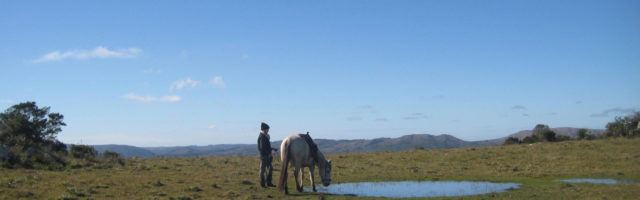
x=534, y=166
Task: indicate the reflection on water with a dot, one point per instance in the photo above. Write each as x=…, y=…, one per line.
x=598, y=181
x=417, y=189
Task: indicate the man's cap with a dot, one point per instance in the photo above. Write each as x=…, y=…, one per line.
x=264, y=126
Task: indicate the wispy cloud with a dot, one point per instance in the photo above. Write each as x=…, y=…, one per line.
x=212, y=126
x=518, y=107
x=218, y=82
x=354, y=118
x=525, y=115
x=578, y=102
x=365, y=109
x=434, y=97
x=151, y=71
x=413, y=116
x=146, y=99
x=83, y=54
x=179, y=84
x=381, y=119
x=618, y=111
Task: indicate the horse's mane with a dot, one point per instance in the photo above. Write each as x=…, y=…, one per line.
x=312, y=146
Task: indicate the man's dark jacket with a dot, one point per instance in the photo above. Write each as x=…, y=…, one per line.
x=264, y=146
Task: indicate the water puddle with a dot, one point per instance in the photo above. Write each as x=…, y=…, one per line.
x=404, y=189
x=597, y=181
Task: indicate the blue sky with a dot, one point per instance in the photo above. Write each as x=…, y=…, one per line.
x=158, y=73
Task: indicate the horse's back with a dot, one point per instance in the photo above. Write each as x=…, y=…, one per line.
x=298, y=149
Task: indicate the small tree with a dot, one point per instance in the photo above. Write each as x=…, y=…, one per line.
x=30, y=133
x=543, y=133
x=624, y=126
x=582, y=134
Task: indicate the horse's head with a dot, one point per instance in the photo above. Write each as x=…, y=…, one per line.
x=325, y=173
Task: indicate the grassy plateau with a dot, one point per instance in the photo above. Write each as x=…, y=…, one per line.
x=534, y=166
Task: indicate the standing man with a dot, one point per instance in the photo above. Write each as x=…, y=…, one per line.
x=264, y=147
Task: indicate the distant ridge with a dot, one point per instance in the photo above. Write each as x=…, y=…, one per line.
x=407, y=142
x=125, y=150
x=566, y=131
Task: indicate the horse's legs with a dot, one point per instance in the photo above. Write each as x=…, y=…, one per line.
x=296, y=174
x=313, y=185
x=301, y=179
x=286, y=189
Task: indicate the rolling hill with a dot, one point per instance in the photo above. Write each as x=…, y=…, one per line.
x=406, y=142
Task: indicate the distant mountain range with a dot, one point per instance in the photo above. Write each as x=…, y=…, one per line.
x=406, y=142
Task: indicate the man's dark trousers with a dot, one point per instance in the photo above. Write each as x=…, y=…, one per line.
x=265, y=163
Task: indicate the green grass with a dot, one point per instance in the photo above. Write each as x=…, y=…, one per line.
x=533, y=166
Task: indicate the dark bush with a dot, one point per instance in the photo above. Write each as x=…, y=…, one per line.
x=109, y=159
x=511, y=140
x=529, y=140
x=560, y=138
x=583, y=134
x=83, y=152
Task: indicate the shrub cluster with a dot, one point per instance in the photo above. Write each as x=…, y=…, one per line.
x=541, y=133
x=627, y=126
x=87, y=156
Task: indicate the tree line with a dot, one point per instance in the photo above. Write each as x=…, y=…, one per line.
x=627, y=126
x=28, y=140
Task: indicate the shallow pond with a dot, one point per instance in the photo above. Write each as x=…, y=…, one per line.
x=417, y=188
x=597, y=181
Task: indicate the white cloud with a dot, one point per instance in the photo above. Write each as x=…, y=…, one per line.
x=147, y=99
x=188, y=82
x=217, y=81
x=82, y=54
x=212, y=126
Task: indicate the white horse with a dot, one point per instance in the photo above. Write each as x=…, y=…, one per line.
x=303, y=152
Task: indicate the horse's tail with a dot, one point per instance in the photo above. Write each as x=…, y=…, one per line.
x=282, y=182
